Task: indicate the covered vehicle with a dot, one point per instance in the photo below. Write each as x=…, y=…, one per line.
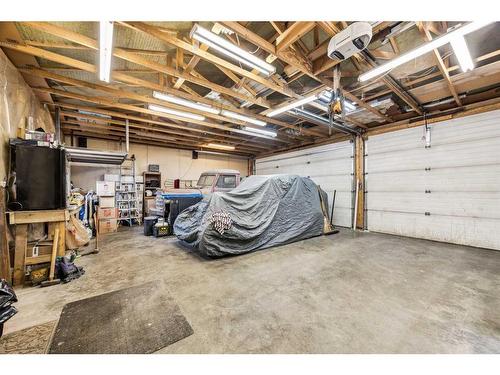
x=263, y=211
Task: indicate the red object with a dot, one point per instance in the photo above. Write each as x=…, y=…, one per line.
x=177, y=183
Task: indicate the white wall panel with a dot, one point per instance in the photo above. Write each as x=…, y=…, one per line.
x=449, y=192
x=330, y=166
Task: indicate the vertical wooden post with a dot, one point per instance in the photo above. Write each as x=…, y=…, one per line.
x=62, y=239
x=20, y=253
x=359, y=175
x=4, y=244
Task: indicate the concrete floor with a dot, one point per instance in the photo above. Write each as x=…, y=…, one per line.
x=346, y=293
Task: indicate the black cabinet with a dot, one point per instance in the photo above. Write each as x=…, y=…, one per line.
x=40, y=177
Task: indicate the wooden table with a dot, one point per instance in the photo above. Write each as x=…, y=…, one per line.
x=21, y=219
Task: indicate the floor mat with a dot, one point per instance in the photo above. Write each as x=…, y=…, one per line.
x=140, y=319
x=33, y=340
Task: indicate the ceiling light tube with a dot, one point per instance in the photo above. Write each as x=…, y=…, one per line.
x=295, y=104
x=185, y=103
x=462, y=53
x=326, y=96
x=237, y=116
x=260, y=131
x=220, y=44
x=193, y=116
x=349, y=106
x=219, y=146
x=423, y=49
x=105, y=49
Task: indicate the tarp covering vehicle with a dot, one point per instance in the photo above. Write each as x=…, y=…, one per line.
x=263, y=211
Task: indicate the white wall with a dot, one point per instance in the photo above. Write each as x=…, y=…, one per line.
x=174, y=163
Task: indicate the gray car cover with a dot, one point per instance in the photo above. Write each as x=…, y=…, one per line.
x=263, y=211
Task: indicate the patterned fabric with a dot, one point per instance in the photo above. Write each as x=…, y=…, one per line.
x=221, y=221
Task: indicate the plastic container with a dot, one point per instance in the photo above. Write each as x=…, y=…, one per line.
x=149, y=223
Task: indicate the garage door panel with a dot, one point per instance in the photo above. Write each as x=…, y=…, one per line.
x=457, y=179
x=479, y=205
x=302, y=165
x=342, y=216
x=330, y=183
x=330, y=166
x=460, y=172
x=470, y=128
x=465, y=231
x=464, y=154
x=385, y=162
x=397, y=141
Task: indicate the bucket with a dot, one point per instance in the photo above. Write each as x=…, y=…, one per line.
x=149, y=222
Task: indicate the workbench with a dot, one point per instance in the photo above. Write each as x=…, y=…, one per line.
x=21, y=219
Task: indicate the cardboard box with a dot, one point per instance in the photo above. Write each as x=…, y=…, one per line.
x=105, y=188
x=106, y=202
x=107, y=225
x=112, y=177
x=107, y=213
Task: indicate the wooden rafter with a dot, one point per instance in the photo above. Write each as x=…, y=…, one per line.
x=293, y=33
x=270, y=48
x=439, y=61
x=128, y=56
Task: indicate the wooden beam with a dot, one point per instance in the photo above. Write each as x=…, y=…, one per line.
x=133, y=96
x=359, y=178
x=111, y=103
x=83, y=40
x=128, y=56
x=301, y=64
x=192, y=62
x=206, y=137
x=439, y=61
x=141, y=98
x=145, y=120
x=151, y=30
x=292, y=34
x=154, y=143
x=269, y=47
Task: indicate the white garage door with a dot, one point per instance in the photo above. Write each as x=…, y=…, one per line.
x=330, y=166
x=449, y=192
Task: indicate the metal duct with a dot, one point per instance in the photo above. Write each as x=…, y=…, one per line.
x=85, y=155
x=320, y=120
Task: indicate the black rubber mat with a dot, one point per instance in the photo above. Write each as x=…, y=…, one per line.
x=140, y=319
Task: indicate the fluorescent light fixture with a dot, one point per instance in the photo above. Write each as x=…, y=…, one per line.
x=157, y=108
x=105, y=49
x=219, y=146
x=349, y=106
x=295, y=104
x=260, y=131
x=237, y=116
x=185, y=103
x=214, y=41
x=326, y=96
x=423, y=49
x=462, y=53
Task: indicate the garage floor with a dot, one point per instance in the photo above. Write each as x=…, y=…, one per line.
x=347, y=293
